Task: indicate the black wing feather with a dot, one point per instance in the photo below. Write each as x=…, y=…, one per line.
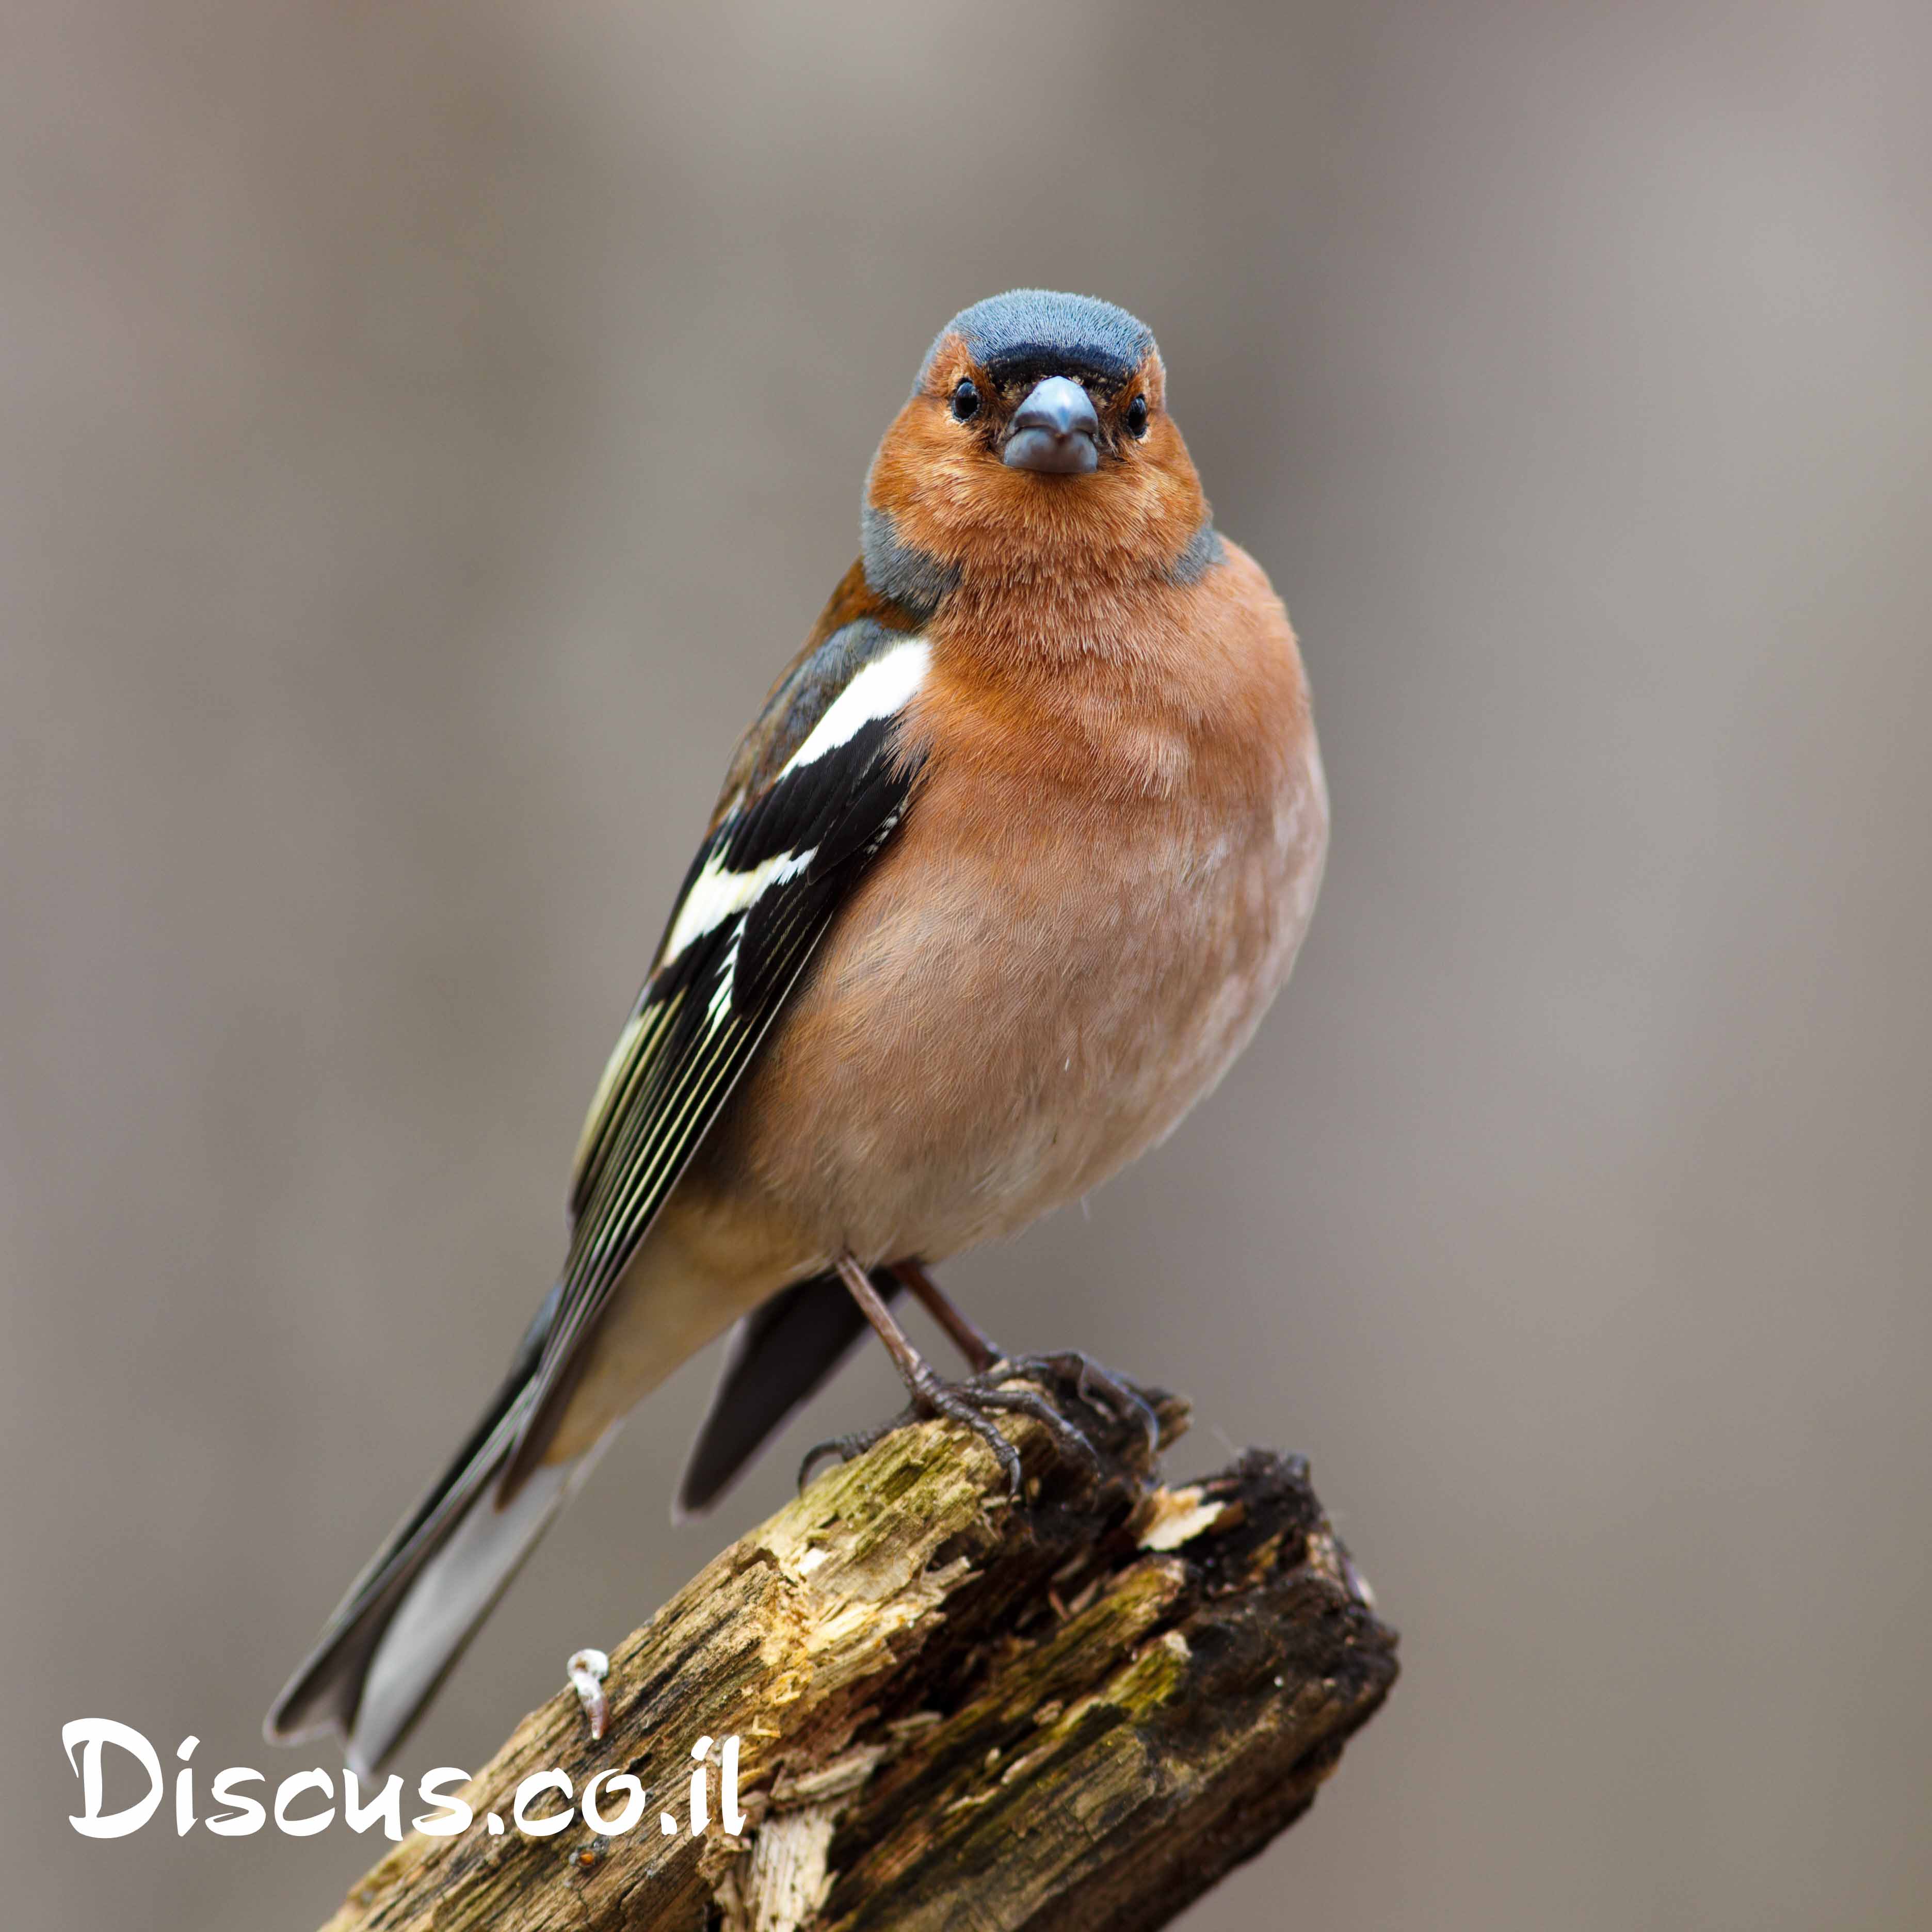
x=704, y=1011
x=817, y=826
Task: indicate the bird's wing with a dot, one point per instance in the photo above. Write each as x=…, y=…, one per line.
x=818, y=788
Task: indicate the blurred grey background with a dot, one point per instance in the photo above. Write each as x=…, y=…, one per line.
x=426, y=431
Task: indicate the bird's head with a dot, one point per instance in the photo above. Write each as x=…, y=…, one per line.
x=1037, y=440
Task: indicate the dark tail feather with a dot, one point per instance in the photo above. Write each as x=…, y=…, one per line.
x=407, y=1617
x=779, y=1353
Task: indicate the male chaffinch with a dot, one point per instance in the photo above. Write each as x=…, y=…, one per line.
x=1005, y=874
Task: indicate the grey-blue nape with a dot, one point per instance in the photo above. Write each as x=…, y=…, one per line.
x=913, y=578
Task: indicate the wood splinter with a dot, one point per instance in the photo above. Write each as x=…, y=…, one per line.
x=1077, y=1711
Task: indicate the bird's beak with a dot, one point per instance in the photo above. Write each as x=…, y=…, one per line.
x=1054, y=431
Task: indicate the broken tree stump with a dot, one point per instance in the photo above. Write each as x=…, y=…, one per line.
x=1077, y=1712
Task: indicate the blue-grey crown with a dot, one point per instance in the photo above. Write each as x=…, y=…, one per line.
x=1035, y=331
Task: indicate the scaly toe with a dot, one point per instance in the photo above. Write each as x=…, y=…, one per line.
x=968, y=1403
x=845, y=1448
x=957, y=1403
x=1068, y=1439
x=1097, y=1385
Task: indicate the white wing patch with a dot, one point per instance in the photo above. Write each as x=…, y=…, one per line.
x=880, y=687
x=717, y=892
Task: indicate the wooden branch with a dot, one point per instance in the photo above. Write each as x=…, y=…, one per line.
x=1077, y=1713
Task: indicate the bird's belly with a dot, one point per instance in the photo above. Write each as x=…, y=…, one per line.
x=983, y=1040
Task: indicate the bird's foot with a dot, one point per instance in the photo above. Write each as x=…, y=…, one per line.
x=972, y=1403
x=1098, y=1386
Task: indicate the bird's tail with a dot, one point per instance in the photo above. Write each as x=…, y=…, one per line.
x=407, y=1617
x=780, y=1353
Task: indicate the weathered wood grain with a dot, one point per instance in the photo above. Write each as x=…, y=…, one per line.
x=1078, y=1711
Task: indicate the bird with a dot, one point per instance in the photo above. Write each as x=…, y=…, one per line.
x=1017, y=853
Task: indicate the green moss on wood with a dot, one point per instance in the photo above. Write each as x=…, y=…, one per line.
x=1020, y=1701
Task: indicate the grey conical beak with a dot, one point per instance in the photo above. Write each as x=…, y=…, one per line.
x=1054, y=430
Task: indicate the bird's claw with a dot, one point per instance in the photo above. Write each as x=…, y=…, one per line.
x=845, y=1447
x=933, y=1397
x=1100, y=1387
x=969, y=1402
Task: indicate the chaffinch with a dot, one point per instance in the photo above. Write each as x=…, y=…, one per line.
x=1005, y=874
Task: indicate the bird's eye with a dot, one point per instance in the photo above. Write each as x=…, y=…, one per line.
x=965, y=402
x=1137, y=416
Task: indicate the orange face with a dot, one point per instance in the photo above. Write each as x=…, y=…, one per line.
x=1049, y=458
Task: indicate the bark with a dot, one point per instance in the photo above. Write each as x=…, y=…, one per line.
x=1076, y=1711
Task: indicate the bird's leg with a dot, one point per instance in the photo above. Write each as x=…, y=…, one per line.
x=971, y=1340
x=965, y=1402
x=1094, y=1382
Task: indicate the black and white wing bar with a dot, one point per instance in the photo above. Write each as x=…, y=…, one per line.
x=760, y=895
